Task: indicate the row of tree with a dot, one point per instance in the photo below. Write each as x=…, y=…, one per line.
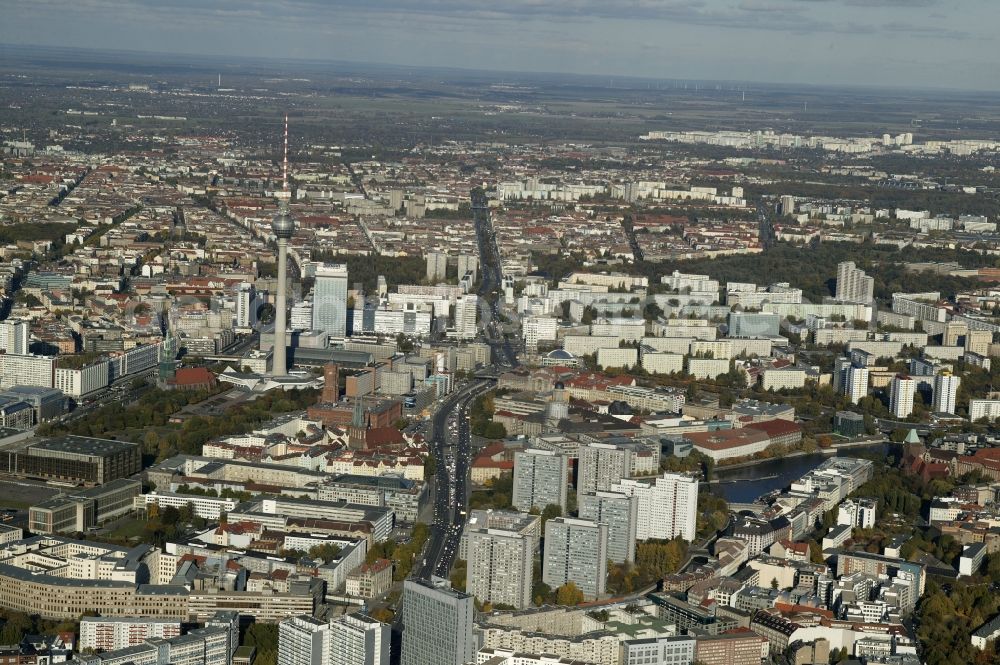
x=15, y=625
x=946, y=618
x=481, y=418
x=402, y=555
x=31, y=231
x=148, y=420
x=366, y=269
x=654, y=559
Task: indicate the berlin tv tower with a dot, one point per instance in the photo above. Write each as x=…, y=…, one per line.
x=283, y=227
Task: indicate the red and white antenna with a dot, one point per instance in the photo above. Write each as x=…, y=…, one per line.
x=284, y=167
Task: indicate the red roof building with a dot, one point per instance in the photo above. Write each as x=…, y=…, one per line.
x=378, y=437
x=782, y=432
x=494, y=460
x=986, y=460
x=729, y=443
x=192, y=378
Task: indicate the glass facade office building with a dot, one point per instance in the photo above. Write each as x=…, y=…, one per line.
x=330, y=300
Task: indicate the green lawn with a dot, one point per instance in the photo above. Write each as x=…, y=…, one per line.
x=128, y=529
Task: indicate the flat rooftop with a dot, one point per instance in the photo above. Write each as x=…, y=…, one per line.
x=6, y=432
x=82, y=445
x=34, y=390
x=381, y=482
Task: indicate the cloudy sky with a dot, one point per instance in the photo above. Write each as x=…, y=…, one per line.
x=910, y=43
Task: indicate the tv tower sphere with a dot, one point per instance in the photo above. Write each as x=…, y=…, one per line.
x=282, y=224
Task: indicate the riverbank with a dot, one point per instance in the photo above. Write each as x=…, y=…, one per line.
x=826, y=452
x=746, y=481
x=722, y=468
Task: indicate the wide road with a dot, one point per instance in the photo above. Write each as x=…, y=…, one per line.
x=450, y=440
x=121, y=392
x=633, y=242
x=450, y=445
x=765, y=226
x=491, y=287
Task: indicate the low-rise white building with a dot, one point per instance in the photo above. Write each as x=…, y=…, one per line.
x=984, y=408
x=83, y=381
x=206, y=507
x=663, y=363
x=113, y=633
x=857, y=512
x=972, y=559
x=986, y=633
x=582, y=345
x=624, y=357
x=707, y=368
x=785, y=378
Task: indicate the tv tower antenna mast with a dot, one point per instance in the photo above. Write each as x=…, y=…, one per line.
x=283, y=227
x=284, y=163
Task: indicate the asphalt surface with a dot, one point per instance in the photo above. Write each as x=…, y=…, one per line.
x=450, y=439
x=490, y=290
x=241, y=346
x=15, y=492
x=768, y=238
x=633, y=242
x=451, y=445
x=122, y=392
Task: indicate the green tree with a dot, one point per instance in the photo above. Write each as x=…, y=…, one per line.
x=652, y=311
x=494, y=431
x=170, y=516
x=550, y=511
x=815, y=552
x=481, y=418
x=325, y=551
x=459, y=571
x=569, y=594
x=185, y=513
x=263, y=636
x=540, y=591
x=993, y=568
x=384, y=615
x=16, y=626
x=150, y=442
x=658, y=558
x=497, y=494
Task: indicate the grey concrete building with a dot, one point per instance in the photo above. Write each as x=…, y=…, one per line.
x=619, y=512
x=602, y=465
x=540, y=479
x=576, y=551
x=437, y=624
x=499, y=567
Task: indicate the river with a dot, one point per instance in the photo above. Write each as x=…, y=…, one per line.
x=745, y=484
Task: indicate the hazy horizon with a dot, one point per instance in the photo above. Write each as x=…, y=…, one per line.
x=897, y=43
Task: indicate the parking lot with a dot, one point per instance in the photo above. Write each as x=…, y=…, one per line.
x=17, y=495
